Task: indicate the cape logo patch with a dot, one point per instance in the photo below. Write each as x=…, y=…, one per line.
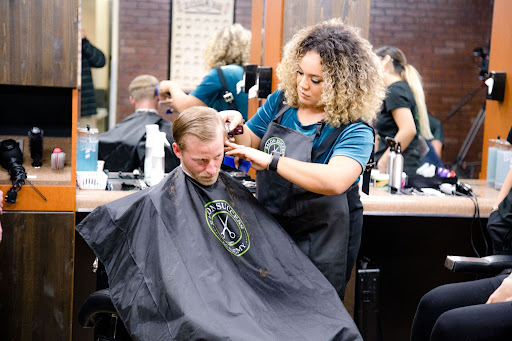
x=275, y=144
x=227, y=226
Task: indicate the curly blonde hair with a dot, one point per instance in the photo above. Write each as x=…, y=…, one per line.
x=353, y=87
x=232, y=45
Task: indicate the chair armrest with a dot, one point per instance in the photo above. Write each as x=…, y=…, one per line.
x=490, y=264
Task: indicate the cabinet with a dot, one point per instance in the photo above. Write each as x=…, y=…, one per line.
x=39, y=81
x=39, y=43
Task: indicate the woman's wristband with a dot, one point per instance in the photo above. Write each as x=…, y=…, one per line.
x=272, y=165
x=270, y=156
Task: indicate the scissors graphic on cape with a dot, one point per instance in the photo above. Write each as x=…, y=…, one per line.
x=226, y=228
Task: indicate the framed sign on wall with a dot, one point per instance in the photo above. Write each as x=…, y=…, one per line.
x=192, y=24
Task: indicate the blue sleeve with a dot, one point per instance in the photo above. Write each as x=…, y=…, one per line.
x=356, y=142
x=209, y=88
x=265, y=114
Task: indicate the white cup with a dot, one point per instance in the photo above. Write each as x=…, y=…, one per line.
x=101, y=164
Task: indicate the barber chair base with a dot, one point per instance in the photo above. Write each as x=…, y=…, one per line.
x=99, y=313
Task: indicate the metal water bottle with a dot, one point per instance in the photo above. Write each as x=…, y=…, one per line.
x=390, y=142
x=398, y=168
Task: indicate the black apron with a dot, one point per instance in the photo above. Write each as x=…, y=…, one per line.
x=327, y=228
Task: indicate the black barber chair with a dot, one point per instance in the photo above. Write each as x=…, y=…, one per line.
x=99, y=313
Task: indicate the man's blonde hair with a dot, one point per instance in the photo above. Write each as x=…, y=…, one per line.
x=202, y=122
x=143, y=87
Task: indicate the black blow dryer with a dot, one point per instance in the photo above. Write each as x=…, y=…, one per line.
x=11, y=158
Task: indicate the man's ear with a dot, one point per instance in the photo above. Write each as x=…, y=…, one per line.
x=176, y=150
x=132, y=101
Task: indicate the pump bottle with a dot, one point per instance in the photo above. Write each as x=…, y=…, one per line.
x=154, y=160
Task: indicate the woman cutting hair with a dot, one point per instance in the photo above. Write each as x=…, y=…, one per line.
x=311, y=140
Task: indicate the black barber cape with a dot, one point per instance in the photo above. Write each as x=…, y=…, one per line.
x=123, y=148
x=188, y=262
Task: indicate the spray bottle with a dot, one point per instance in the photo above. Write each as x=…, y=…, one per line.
x=152, y=137
x=157, y=170
x=398, y=168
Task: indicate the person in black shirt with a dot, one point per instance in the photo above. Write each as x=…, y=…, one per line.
x=404, y=113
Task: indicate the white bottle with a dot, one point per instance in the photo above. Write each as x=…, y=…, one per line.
x=398, y=167
x=158, y=159
x=152, y=132
x=390, y=142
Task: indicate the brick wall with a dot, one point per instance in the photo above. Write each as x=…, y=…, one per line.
x=438, y=38
x=144, y=34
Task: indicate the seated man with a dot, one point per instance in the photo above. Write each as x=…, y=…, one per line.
x=123, y=148
x=196, y=257
x=478, y=310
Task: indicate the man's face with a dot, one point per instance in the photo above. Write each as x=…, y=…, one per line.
x=201, y=160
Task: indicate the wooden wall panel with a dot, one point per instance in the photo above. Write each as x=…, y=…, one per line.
x=36, y=272
x=39, y=43
x=301, y=13
x=498, y=117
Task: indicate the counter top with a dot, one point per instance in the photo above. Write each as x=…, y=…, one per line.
x=379, y=202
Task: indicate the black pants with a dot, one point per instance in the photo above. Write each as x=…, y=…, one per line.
x=458, y=312
x=501, y=234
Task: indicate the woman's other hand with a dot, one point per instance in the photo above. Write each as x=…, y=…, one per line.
x=234, y=118
x=259, y=159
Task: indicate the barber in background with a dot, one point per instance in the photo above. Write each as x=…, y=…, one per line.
x=228, y=49
x=91, y=57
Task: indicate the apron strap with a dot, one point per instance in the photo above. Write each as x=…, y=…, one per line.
x=281, y=108
x=328, y=142
x=368, y=169
x=227, y=95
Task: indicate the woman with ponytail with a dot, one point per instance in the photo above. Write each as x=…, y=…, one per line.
x=404, y=112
